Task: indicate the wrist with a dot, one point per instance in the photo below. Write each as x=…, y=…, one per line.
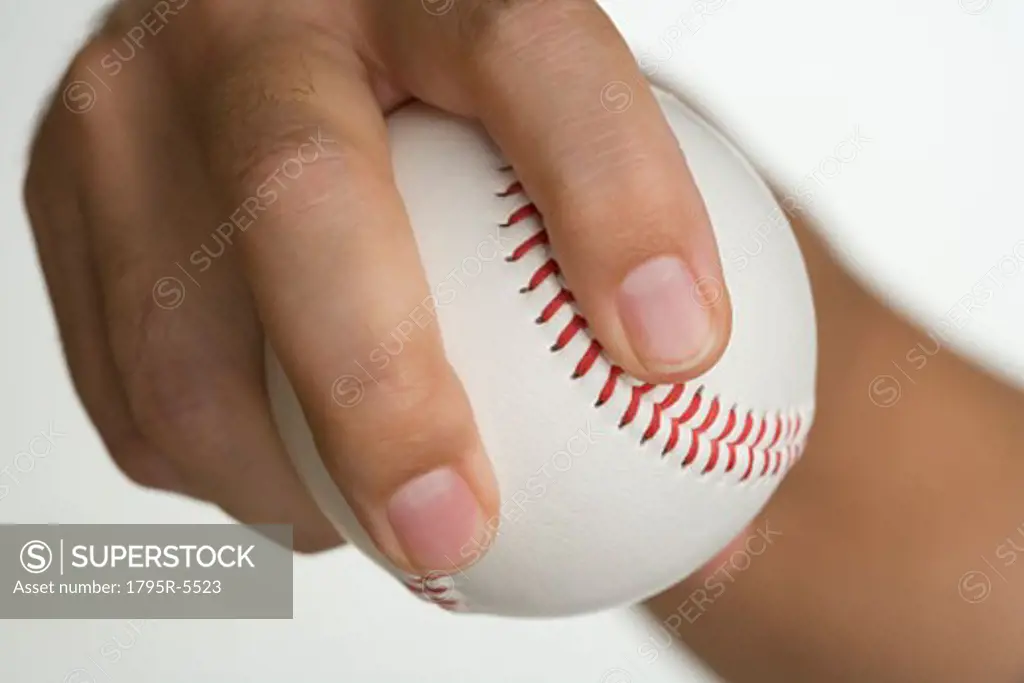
x=890, y=531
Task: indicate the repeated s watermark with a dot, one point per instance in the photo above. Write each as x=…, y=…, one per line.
x=81, y=94
x=686, y=26
x=349, y=389
x=40, y=447
x=715, y=584
x=975, y=7
x=169, y=291
x=739, y=256
x=976, y=585
x=886, y=389
x=98, y=663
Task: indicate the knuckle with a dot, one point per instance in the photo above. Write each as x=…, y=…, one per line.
x=416, y=408
x=249, y=165
x=33, y=181
x=294, y=160
x=167, y=396
x=88, y=57
x=135, y=469
x=176, y=404
x=171, y=382
x=178, y=377
x=265, y=127
x=265, y=83
x=409, y=386
x=83, y=94
x=631, y=218
x=132, y=457
x=30, y=193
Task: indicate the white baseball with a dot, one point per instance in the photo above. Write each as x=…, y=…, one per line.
x=611, y=490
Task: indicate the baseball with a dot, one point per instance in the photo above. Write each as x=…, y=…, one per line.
x=612, y=490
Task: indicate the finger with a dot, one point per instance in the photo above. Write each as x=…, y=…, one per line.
x=558, y=89
x=185, y=341
x=335, y=268
x=51, y=200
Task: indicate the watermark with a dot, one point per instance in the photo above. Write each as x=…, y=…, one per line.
x=975, y=7
x=169, y=291
x=110, y=652
x=886, y=389
x=802, y=199
x=616, y=675
x=616, y=97
x=976, y=585
x=715, y=584
x=158, y=571
x=39, y=447
x=707, y=291
x=687, y=25
x=80, y=95
x=535, y=488
x=666, y=636
x=438, y=8
x=349, y=389
x=633, y=672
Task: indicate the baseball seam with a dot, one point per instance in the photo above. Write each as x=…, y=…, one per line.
x=773, y=441
x=434, y=587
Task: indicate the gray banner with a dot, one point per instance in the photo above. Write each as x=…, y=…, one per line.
x=165, y=571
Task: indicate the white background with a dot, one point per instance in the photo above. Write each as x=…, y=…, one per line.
x=923, y=211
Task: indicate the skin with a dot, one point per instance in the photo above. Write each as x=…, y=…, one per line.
x=877, y=527
x=886, y=512
x=218, y=99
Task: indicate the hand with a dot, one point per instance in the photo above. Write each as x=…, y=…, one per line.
x=246, y=140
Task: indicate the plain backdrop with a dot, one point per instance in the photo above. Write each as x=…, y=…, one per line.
x=923, y=210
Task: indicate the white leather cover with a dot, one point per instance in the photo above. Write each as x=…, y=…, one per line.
x=593, y=514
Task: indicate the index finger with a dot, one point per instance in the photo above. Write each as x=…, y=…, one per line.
x=334, y=269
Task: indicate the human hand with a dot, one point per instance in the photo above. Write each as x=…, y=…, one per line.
x=213, y=171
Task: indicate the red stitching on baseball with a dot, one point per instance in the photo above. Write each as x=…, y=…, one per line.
x=422, y=587
x=535, y=241
x=788, y=448
x=555, y=305
x=782, y=450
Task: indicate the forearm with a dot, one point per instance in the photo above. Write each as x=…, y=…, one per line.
x=880, y=523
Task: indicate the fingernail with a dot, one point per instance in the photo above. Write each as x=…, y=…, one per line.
x=667, y=325
x=437, y=520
